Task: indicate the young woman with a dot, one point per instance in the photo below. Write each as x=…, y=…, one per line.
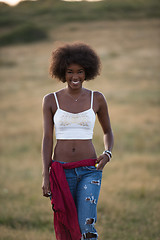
x=73, y=176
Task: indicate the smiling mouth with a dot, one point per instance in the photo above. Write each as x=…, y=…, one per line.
x=75, y=82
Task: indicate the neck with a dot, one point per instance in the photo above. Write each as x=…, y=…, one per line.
x=74, y=92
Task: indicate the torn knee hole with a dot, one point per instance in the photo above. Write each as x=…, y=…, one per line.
x=91, y=199
x=88, y=198
x=90, y=221
x=89, y=235
x=97, y=182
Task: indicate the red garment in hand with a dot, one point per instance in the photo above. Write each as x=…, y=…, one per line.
x=66, y=224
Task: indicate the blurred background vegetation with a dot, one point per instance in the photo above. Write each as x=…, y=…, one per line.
x=126, y=35
x=37, y=18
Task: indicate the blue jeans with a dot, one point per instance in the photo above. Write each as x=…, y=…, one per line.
x=84, y=184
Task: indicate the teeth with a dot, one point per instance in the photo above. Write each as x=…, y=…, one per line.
x=75, y=82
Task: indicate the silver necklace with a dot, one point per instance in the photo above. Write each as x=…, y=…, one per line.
x=74, y=98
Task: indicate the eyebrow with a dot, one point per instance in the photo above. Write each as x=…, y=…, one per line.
x=78, y=69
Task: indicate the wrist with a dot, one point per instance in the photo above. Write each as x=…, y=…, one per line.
x=45, y=179
x=108, y=154
x=45, y=173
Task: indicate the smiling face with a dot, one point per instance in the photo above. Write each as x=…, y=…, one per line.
x=75, y=76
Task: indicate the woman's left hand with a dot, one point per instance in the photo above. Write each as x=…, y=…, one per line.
x=102, y=160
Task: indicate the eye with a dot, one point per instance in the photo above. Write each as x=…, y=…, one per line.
x=81, y=71
x=69, y=71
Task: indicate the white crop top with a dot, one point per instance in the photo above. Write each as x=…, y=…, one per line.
x=74, y=125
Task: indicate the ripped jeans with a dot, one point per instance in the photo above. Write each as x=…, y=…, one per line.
x=84, y=184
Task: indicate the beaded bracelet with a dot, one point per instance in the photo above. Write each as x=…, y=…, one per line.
x=108, y=153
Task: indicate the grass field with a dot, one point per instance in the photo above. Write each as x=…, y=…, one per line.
x=129, y=204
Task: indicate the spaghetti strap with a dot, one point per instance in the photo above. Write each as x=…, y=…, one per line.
x=92, y=99
x=56, y=100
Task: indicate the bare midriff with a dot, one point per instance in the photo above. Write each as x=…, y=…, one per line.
x=74, y=150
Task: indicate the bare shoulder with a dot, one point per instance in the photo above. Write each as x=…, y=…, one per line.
x=99, y=97
x=48, y=98
x=49, y=102
x=100, y=103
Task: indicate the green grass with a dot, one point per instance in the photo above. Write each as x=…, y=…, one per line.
x=41, y=16
x=129, y=202
x=24, y=34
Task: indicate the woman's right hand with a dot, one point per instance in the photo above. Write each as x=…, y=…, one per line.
x=46, y=186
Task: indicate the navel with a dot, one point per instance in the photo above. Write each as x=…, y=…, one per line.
x=73, y=149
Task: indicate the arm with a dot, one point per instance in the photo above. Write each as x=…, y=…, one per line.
x=104, y=120
x=47, y=144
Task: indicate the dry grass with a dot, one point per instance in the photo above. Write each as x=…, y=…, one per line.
x=129, y=201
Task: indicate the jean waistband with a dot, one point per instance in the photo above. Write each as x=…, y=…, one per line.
x=58, y=161
x=81, y=163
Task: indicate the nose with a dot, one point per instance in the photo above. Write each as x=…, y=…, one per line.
x=75, y=76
